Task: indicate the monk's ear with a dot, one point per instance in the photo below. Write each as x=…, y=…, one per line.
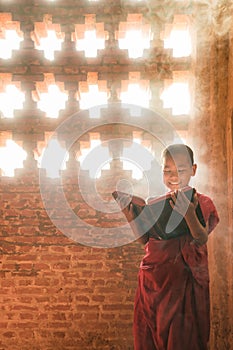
x=194, y=169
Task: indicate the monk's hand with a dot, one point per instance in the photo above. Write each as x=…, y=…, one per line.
x=127, y=207
x=129, y=212
x=182, y=204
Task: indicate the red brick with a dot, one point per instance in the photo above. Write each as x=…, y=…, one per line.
x=26, y=316
x=9, y=334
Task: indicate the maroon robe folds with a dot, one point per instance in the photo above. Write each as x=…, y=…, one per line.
x=172, y=299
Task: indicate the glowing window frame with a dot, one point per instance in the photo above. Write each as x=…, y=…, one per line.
x=11, y=99
x=134, y=36
x=12, y=157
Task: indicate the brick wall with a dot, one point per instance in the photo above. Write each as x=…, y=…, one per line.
x=212, y=136
x=55, y=292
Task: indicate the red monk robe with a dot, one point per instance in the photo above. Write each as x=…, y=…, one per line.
x=172, y=301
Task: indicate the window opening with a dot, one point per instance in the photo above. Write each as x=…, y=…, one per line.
x=135, y=91
x=92, y=92
x=177, y=36
x=12, y=157
x=176, y=94
x=11, y=98
x=48, y=37
x=90, y=37
x=134, y=35
x=52, y=158
x=10, y=35
x=50, y=96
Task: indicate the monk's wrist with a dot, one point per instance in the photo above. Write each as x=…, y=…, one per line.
x=190, y=213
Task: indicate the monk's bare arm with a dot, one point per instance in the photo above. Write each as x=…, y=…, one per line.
x=129, y=212
x=181, y=204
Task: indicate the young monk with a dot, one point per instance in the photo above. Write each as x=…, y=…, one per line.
x=172, y=302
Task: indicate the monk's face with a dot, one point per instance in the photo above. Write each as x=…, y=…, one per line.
x=177, y=171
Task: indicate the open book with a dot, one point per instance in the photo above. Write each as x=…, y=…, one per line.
x=155, y=216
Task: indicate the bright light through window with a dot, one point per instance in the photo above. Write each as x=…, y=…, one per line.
x=145, y=143
x=86, y=151
x=137, y=158
x=136, y=95
x=137, y=173
x=50, y=44
x=92, y=98
x=106, y=166
x=180, y=42
x=53, y=159
x=12, y=157
x=95, y=158
x=52, y=101
x=177, y=36
x=137, y=140
x=90, y=44
x=135, y=43
x=177, y=97
x=10, y=100
x=11, y=42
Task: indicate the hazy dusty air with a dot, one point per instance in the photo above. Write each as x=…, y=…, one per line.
x=90, y=94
